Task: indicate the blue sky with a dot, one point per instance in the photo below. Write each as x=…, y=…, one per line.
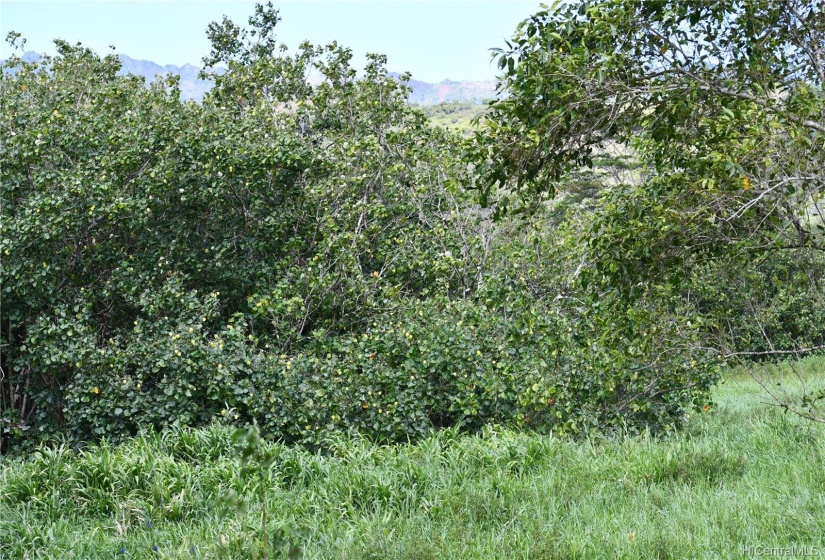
x=434, y=40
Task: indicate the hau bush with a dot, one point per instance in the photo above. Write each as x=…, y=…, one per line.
x=304, y=256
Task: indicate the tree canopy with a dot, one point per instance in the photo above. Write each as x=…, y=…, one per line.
x=722, y=103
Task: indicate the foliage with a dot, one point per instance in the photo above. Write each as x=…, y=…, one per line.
x=304, y=256
x=721, y=101
x=722, y=106
x=756, y=309
x=155, y=252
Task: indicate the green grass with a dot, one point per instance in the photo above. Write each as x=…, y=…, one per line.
x=743, y=474
x=457, y=116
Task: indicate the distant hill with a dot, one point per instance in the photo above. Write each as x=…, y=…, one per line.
x=424, y=93
x=190, y=86
x=448, y=91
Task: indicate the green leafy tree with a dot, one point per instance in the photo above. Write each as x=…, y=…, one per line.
x=160, y=258
x=721, y=101
x=722, y=104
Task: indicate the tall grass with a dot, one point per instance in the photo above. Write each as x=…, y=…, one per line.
x=743, y=475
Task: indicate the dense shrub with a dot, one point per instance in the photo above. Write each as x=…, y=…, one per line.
x=757, y=308
x=303, y=256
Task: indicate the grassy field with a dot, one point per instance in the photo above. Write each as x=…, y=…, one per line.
x=454, y=115
x=743, y=478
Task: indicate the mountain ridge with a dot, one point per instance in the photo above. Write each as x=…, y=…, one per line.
x=423, y=93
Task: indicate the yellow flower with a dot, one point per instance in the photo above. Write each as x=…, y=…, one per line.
x=746, y=183
x=96, y=391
